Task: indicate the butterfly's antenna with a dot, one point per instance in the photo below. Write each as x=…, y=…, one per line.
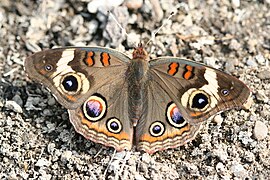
x=153, y=35
x=119, y=25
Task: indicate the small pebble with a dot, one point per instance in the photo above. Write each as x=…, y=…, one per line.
x=134, y=4
x=238, y=170
x=249, y=157
x=115, y=165
x=146, y=158
x=51, y=148
x=18, y=100
x=236, y=3
x=220, y=168
x=260, y=59
x=234, y=45
x=48, y=112
x=251, y=62
x=210, y=61
x=43, y=162
x=50, y=127
x=229, y=66
x=31, y=103
x=218, y=119
x=94, y=5
x=158, y=12
x=265, y=74
x=120, y=155
x=12, y=105
x=51, y=101
x=139, y=177
x=245, y=137
x=133, y=39
x=261, y=96
x=221, y=154
x=260, y=130
x=92, y=27
x=66, y=156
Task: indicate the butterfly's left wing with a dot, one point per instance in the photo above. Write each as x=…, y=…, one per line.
x=181, y=94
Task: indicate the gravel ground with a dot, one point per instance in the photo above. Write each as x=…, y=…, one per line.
x=38, y=141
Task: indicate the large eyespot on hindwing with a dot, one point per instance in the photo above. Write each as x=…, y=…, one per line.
x=157, y=129
x=174, y=116
x=95, y=108
x=114, y=125
x=71, y=83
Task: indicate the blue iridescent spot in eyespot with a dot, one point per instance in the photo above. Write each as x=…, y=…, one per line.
x=177, y=118
x=93, y=108
x=156, y=129
x=225, y=92
x=48, y=67
x=70, y=83
x=114, y=126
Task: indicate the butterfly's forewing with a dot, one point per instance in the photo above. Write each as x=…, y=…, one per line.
x=73, y=74
x=198, y=90
x=90, y=83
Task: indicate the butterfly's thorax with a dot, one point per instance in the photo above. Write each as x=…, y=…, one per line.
x=137, y=91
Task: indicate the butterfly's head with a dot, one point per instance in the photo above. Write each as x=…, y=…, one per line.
x=140, y=53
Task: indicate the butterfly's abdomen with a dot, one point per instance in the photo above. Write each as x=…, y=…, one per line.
x=137, y=91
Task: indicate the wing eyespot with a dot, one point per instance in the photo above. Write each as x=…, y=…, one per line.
x=48, y=67
x=174, y=117
x=225, y=92
x=157, y=129
x=199, y=101
x=95, y=108
x=70, y=83
x=114, y=125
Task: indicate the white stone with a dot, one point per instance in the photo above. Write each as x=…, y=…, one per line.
x=236, y=3
x=94, y=5
x=43, y=162
x=218, y=119
x=12, y=105
x=238, y=170
x=260, y=130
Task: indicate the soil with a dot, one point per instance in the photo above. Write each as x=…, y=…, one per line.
x=37, y=139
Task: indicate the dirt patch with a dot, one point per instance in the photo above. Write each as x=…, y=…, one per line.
x=36, y=137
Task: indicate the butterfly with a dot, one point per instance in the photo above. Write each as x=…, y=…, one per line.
x=123, y=102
